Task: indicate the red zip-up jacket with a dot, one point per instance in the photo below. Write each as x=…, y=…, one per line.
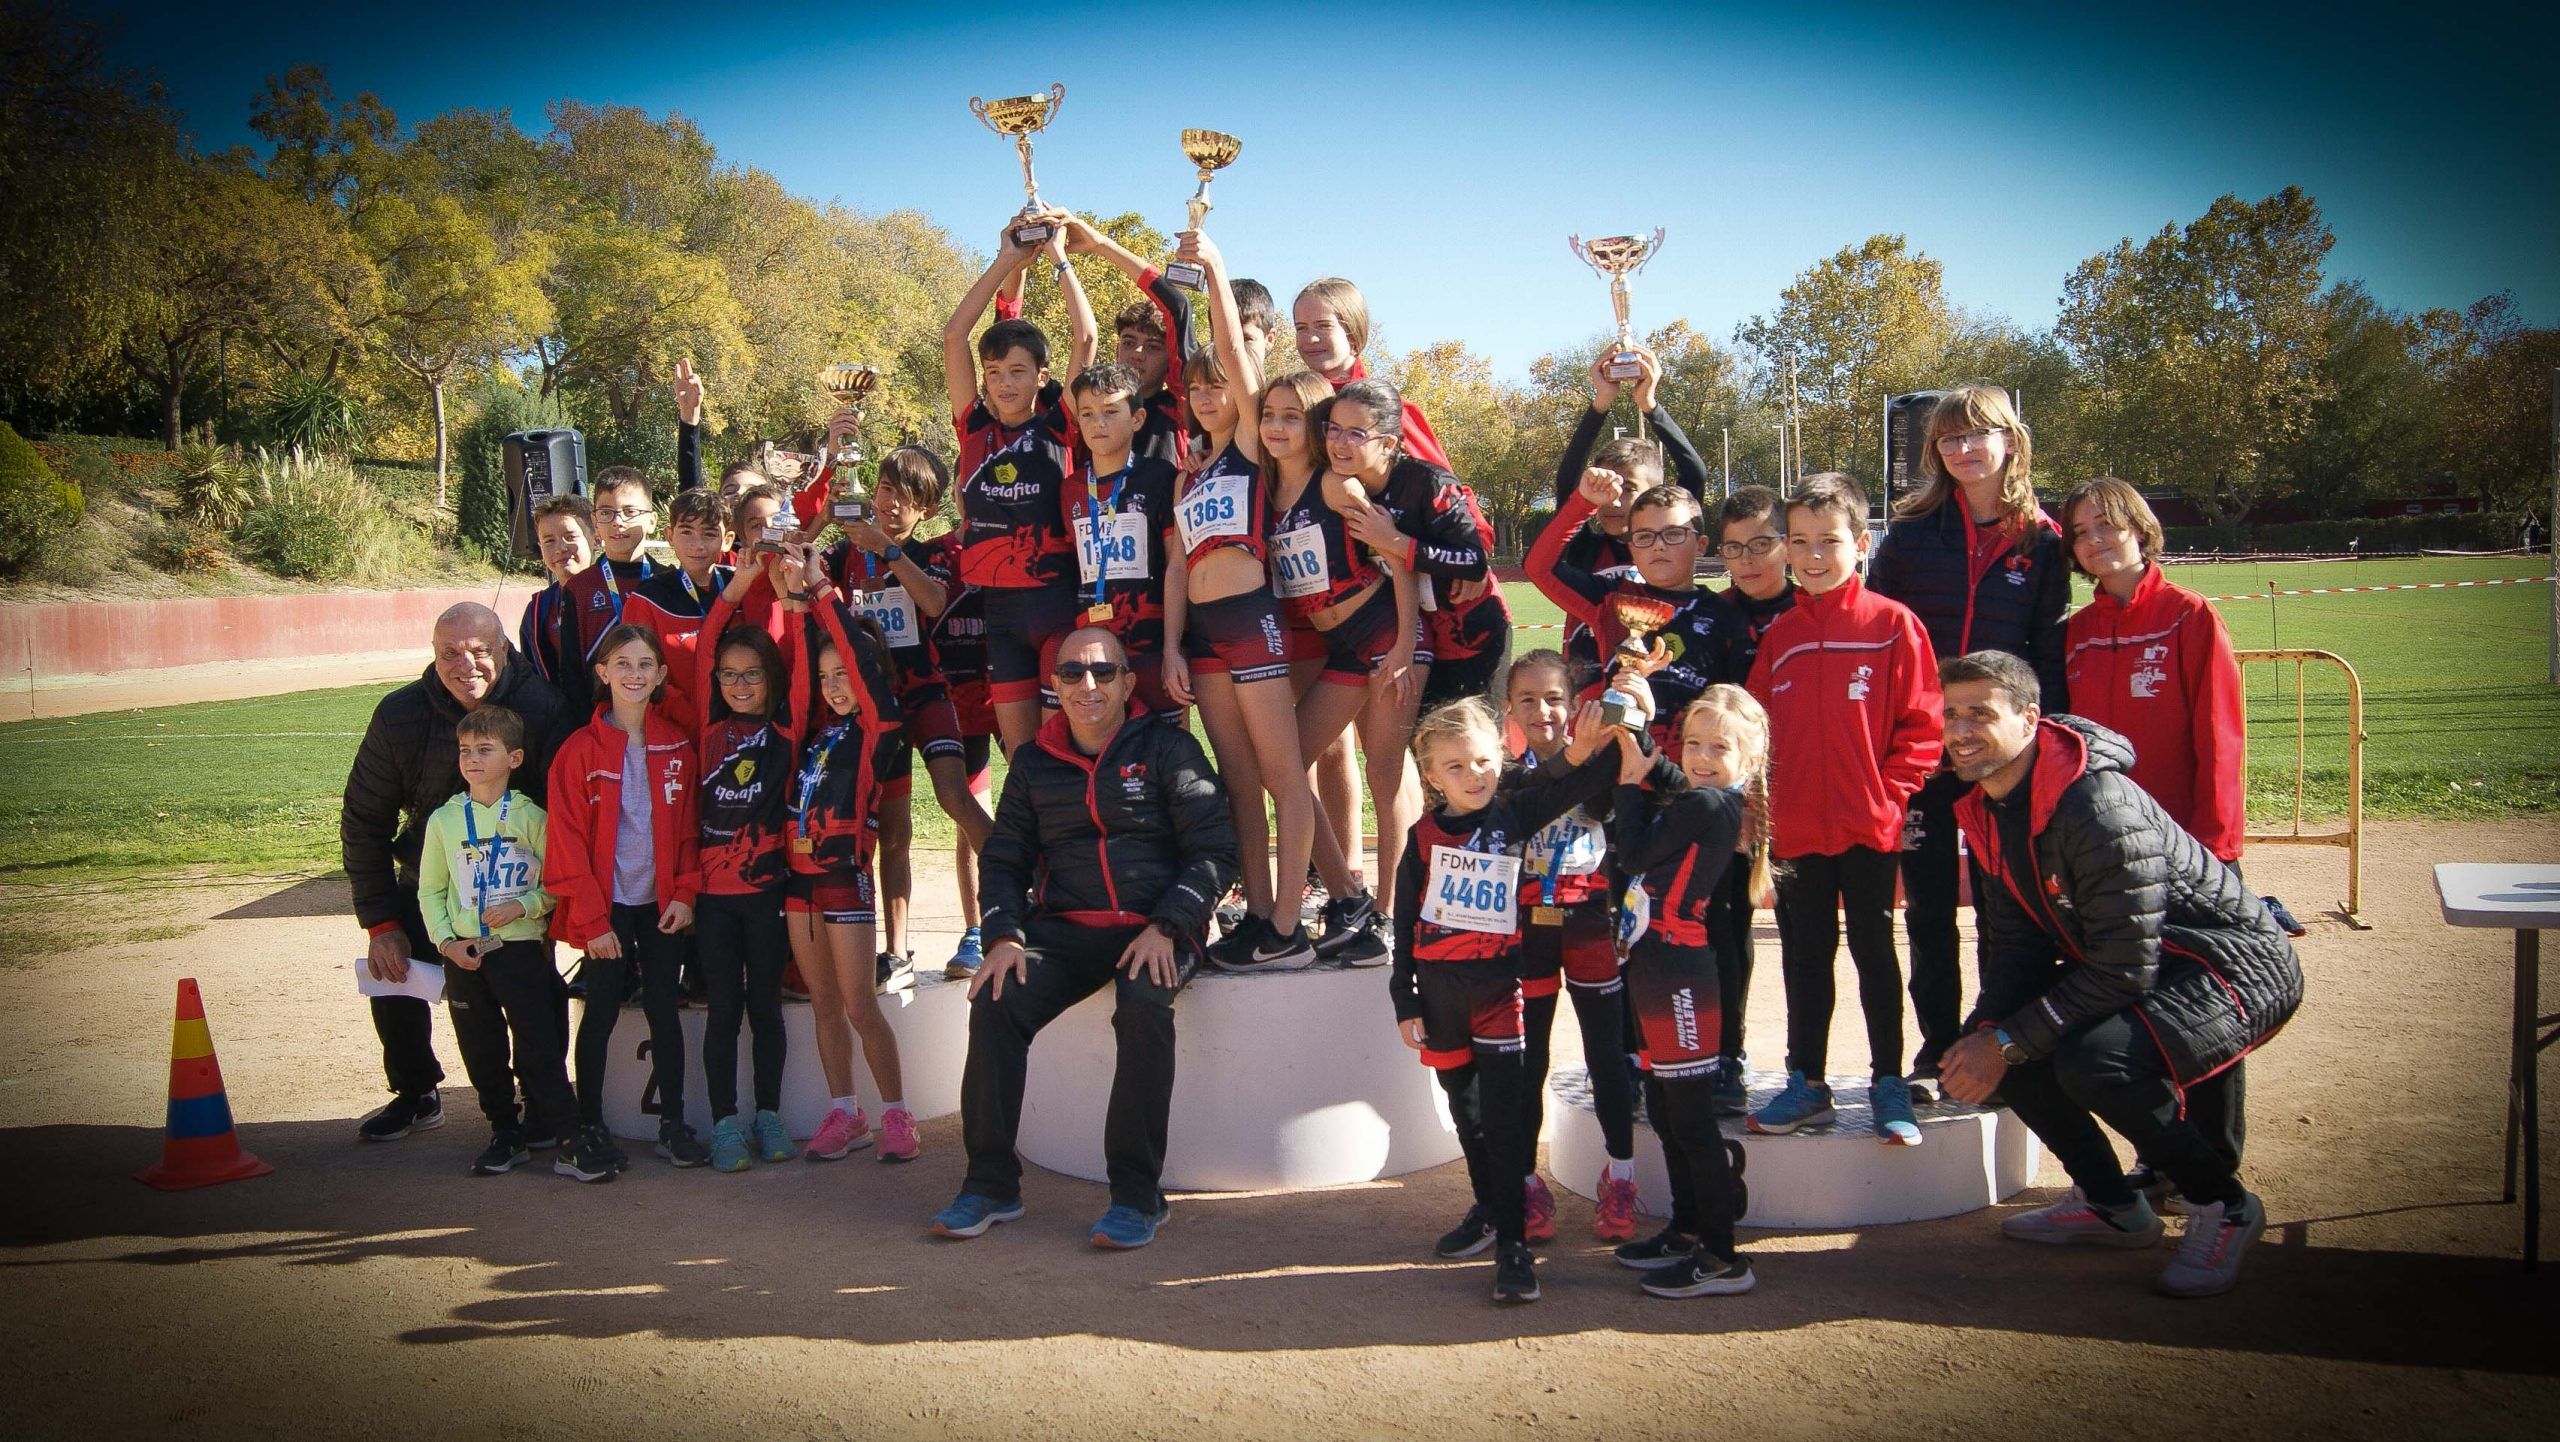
x=745, y=765
x=1854, y=725
x=673, y=610
x=586, y=812
x=2159, y=671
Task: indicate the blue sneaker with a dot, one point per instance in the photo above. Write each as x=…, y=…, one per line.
x=964, y=962
x=969, y=1215
x=1896, y=1125
x=728, y=1145
x=1125, y=1229
x=773, y=1144
x=1803, y=1104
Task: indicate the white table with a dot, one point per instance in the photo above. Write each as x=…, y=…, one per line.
x=2527, y=899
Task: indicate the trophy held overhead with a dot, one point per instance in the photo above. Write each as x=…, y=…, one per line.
x=1022, y=116
x=1617, y=258
x=1212, y=151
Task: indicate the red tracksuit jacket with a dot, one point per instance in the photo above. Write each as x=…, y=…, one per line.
x=1852, y=692
x=2160, y=672
x=586, y=812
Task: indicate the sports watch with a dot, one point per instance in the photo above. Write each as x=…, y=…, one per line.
x=2010, y=1051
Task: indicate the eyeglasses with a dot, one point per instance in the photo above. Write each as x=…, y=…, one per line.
x=752, y=676
x=1959, y=441
x=627, y=513
x=1755, y=548
x=1072, y=673
x=1354, y=435
x=1667, y=536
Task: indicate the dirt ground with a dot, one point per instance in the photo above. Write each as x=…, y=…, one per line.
x=379, y=1290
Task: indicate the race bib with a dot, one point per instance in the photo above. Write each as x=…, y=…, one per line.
x=1297, y=563
x=490, y=881
x=1212, y=508
x=1472, y=891
x=1124, y=547
x=1576, y=840
x=894, y=611
x=1635, y=916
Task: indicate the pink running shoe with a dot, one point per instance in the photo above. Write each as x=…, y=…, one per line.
x=840, y=1135
x=1615, y=1219
x=1542, y=1210
x=897, y=1136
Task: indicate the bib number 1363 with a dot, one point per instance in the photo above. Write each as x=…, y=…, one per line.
x=1472, y=891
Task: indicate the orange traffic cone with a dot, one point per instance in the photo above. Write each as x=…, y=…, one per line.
x=202, y=1147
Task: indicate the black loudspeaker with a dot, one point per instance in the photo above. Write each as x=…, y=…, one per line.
x=540, y=465
x=1906, y=430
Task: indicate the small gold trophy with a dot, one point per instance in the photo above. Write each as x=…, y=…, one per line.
x=1212, y=151
x=1021, y=117
x=1642, y=652
x=1618, y=258
x=849, y=383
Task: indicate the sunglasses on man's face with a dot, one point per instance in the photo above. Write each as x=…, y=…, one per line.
x=1072, y=673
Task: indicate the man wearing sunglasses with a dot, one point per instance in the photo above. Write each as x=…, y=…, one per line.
x=1112, y=846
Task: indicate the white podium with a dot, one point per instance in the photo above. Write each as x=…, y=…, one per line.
x=1292, y=1079
x=1839, y=1177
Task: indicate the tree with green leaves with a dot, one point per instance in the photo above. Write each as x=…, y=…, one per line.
x=1867, y=322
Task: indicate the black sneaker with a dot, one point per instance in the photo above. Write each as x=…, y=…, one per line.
x=1732, y=1093
x=1702, y=1274
x=401, y=1116
x=586, y=1157
x=897, y=973
x=1515, y=1274
x=1275, y=952
x=505, y=1152
x=1234, y=951
x=613, y=1151
x=678, y=1144
x=540, y=1138
x=1348, y=936
x=1467, y=1238
x=1666, y=1248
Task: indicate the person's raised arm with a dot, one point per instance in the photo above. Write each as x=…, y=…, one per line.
x=1226, y=336
x=959, y=362
x=1576, y=591
x=1084, y=337
x=688, y=390
x=1577, y=450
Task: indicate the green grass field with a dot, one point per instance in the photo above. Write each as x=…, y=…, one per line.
x=2460, y=721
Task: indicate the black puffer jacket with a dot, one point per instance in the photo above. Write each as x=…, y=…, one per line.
x=2096, y=901
x=1926, y=563
x=1140, y=833
x=406, y=767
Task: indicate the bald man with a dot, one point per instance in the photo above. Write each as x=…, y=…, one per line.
x=407, y=766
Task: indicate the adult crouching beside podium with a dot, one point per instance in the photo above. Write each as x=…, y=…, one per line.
x=1118, y=820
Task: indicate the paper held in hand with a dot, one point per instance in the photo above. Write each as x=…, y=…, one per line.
x=425, y=981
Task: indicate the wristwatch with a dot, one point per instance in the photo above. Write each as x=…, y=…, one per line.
x=893, y=554
x=2010, y=1051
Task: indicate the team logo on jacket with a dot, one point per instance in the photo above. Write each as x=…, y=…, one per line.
x=744, y=771
x=1133, y=778
x=1860, y=681
x=674, y=786
x=2154, y=669
x=2018, y=570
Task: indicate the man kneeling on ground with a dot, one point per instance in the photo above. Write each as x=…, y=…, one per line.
x=2122, y=962
x=1121, y=823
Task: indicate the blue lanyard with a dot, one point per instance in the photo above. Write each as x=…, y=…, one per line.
x=614, y=586
x=1094, y=512
x=813, y=768
x=1573, y=833
x=488, y=875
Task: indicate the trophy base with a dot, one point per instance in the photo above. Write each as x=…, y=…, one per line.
x=1187, y=275
x=1033, y=233
x=1625, y=366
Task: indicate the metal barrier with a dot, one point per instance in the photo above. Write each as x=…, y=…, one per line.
x=2352, y=838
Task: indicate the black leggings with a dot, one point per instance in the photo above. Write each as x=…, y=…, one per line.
x=2111, y=1071
x=743, y=949
x=1484, y=1101
x=1732, y=941
x=1813, y=892
x=506, y=1020
x=659, y=957
x=1602, y=1016
x=1474, y=675
x=1683, y=1113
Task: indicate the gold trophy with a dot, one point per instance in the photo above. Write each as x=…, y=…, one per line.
x=846, y=499
x=1212, y=151
x=1642, y=652
x=1020, y=117
x=1617, y=258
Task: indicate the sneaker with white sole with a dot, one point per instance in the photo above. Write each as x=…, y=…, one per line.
x=506, y=1152
x=2208, y=1259
x=897, y=973
x=1613, y=1217
x=402, y=1115
x=840, y=1134
x=1515, y=1274
x=1348, y=936
x=1470, y=1236
x=773, y=1142
x=1702, y=1274
x=1126, y=1229
x=970, y=1215
x=1666, y=1248
x=1897, y=1125
x=1539, y=1207
x=1804, y=1103
x=897, y=1135
x=586, y=1157
x=1274, y=950
x=2075, y=1221
x=966, y=958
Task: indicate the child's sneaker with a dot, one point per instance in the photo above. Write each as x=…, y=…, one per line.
x=1701, y=1274
x=2208, y=1260
x=773, y=1144
x=728, y=1145
x=1804, y=1103
x=1896, y=1124
x=2075, y=1221
x=840, y=1135
x=1541, y=1207
x=505, y=1152
x=1666, y=1248
x=897, y=1135
x=1347, y=937
x=1614, y=1219
x=1515, y=1274
x=583, y=1157
x=1470, y=1236
x=402, y=1115
x=613, y=1151
x=897, y=973
x=1732, y=1095
x=1125, y=1229
x=966, y=958
x=678, y=1144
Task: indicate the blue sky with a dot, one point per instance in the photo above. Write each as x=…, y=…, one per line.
x=1440, y=157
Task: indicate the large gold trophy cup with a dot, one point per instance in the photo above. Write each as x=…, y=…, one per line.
x=1617, y=258
x=849, y=384
x=1021, y=117
x=1641, y=653
x=1212, y=151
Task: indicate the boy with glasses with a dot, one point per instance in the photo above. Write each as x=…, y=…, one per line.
x=1600, y=546
x=625, y=513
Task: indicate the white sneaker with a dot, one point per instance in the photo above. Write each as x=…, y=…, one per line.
x=2208, y=1260
x=2075, y=1221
